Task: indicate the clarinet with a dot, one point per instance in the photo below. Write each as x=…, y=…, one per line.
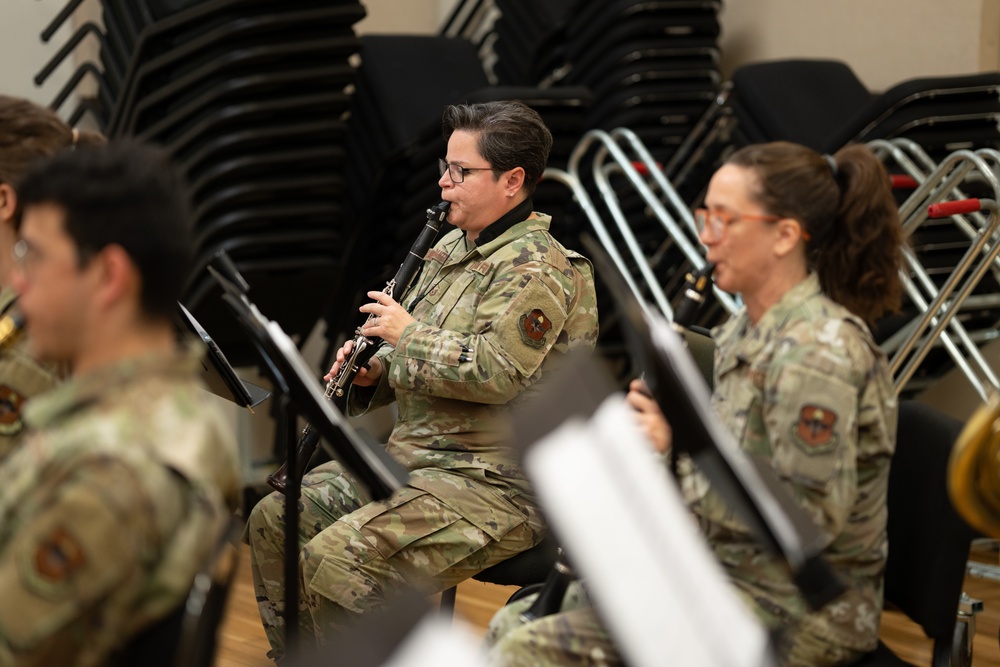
x=550, y=597
x=364, y=347
x=696, y=284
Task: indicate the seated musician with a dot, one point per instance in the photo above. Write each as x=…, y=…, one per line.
x=812, y=243
x=118, y=493
x=28, y=132
x=498, y=302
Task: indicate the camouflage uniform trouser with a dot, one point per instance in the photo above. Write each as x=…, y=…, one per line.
x=354, y=553
x=576, y=636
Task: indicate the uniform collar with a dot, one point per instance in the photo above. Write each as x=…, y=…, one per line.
x=505, y=222
x=539, y=222
x=753, y=337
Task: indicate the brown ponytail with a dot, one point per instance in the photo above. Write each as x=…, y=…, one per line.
x=845, y=204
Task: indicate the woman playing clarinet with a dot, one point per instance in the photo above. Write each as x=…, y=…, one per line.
x=812, y=243
x=498, y=302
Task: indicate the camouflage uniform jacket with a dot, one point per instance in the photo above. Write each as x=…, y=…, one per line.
x=108, y=509
x=491, y=320
x=21, y=377
x=808, y=391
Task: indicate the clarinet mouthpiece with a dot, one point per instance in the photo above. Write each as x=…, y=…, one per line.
x=438, y=212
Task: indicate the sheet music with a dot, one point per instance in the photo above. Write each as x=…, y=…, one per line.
x=621, y=519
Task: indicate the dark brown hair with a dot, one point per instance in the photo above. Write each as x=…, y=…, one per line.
x=845, y=205
x=126, y=194
x=29, y=132
x=511, y=134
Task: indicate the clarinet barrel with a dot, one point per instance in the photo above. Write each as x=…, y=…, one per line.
x=696, y=285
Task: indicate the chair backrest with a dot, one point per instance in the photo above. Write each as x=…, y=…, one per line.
x=797, y=100
x=928, y=541
x=934, y=100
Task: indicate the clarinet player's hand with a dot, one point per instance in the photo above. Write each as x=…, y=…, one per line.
x=389, y=319
x=650, y=417
x=366, y=376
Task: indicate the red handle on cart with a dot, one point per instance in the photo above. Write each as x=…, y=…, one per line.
x=643, y=169
x=946, y=208
x=903, y=182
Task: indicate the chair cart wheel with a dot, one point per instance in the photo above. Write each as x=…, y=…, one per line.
x=961, y=646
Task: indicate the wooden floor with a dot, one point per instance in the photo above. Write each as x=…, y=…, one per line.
x=242, y=642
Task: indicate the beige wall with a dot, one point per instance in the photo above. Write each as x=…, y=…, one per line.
x=23, y=53
x=884, y=41
x=404, y=16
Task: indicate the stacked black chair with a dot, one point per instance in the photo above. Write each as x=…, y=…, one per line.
x=803, y=101
x=530, y=39
x=248, y=98
x=650, y=66
x=822, y=104
x=941, y=114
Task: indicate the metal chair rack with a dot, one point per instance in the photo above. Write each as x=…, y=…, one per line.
x=938, y=195
x=621, y=152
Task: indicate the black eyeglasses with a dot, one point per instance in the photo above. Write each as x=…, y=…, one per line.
x=457, y=172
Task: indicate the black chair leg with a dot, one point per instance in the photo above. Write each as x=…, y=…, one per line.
x=447, y=609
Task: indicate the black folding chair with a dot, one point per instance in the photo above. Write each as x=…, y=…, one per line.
x=928, y=542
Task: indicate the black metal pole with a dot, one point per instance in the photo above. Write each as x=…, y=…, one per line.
x=292, y=492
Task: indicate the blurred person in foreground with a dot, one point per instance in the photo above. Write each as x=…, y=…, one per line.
x=127, y=476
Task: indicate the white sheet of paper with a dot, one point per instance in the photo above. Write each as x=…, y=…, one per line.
x=436, y=643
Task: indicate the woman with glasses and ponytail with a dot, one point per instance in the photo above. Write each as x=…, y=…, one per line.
x=812, y=243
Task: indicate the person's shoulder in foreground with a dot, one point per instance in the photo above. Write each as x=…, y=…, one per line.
x=128, y=475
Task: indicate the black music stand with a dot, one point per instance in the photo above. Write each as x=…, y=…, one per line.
x=751, y=488
x=299, y=393
x=219, y=376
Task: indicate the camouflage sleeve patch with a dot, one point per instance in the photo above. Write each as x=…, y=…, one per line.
x=812, y=423
x=815, y=429
x=529, y=326
x=62, y=560
x=11, y=402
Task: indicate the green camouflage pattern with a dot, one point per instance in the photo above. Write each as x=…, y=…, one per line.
x=21, y=378
x=455, y=374
x=458, y=371
x=806, y=356
x=574, y=636
x=114, y=500
x=807, y=353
